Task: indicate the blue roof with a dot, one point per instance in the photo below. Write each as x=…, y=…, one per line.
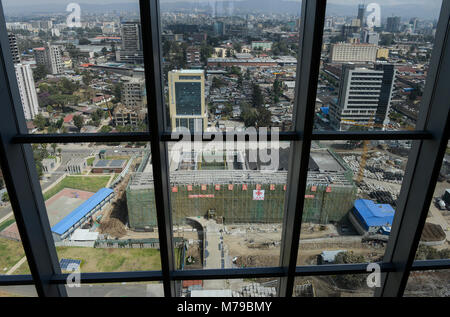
x=82, y=210
x=325, y=110
x=374, y=215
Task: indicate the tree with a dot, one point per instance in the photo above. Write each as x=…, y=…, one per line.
x=87, y=78
x=5, y=197
x=386, y=39
x=39, y=121
x=59, y=151
x=78, y=121
x=277, y=90
x=257, y=96
x=40, y=72
x=54, y=146
x=105, y=129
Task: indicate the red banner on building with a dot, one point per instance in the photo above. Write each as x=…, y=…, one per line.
x=258, y=186
x=272, y=187
x=309, y=196
x=174, y=189
x=203, y=187
x=244, y=186
x=284, y=187
x=230, y=187
x=313, y=188
x=189, y=188
x=217, y=187
x=328, y=190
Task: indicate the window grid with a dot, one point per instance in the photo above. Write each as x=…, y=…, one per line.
x=431, y=134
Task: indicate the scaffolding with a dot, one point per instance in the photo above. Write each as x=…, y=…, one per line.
x=231, y=194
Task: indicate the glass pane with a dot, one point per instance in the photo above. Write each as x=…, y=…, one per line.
x=144, y=289
x=92, y=206
x=258, y=287
x=375, y=60
x=428, y=284
x=81, y=71
x=345, y=285
x=434, y=242
x=351, y=199
x=228, y=204
x=229, y=65
x=18, y=291
x=12, y=256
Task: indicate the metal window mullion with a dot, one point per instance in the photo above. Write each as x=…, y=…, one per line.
x=423, y=166
x=21, y=179
x=150, y=22
x=311, y=31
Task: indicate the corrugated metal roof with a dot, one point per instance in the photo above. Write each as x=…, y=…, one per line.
x=374, y=215
x=77, y=214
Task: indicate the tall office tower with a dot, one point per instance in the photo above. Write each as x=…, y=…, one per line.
x=361, y=12
x=27, y=90
x=131, y=50
x=14, y=49
x=133, y=92
x=364, y=96
x=393, y=24
x=219, y=28
x=413, y=23
x=359, y=53
x=50, y=57
x=187, y=100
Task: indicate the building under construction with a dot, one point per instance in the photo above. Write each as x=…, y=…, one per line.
x=238, y=190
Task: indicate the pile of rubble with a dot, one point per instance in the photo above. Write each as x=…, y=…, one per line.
x=255, y=290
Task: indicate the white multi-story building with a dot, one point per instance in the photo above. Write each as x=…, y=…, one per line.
x=358, y=53
x=27, y=90
x=364, y=97
x=50, y=57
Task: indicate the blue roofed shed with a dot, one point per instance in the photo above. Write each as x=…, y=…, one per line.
x=370, y=214
x=73, y=220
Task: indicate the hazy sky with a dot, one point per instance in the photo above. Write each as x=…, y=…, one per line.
x=346, y=2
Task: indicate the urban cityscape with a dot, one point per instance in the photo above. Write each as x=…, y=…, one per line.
x=226, y=66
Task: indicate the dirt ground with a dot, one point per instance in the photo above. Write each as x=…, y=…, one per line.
x=262, y=249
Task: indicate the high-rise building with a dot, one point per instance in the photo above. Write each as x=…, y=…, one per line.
x=50, y=57
x=361, y=12
x=219, y=28
x=358, y=53
x=131, y=50
x=364, y=96
x=14, y=49
x=187, y=99
x=133, y=92
x=393, y=24
x=27, y=90
x=369, y=37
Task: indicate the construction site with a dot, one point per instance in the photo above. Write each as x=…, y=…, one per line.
x=239, y=190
